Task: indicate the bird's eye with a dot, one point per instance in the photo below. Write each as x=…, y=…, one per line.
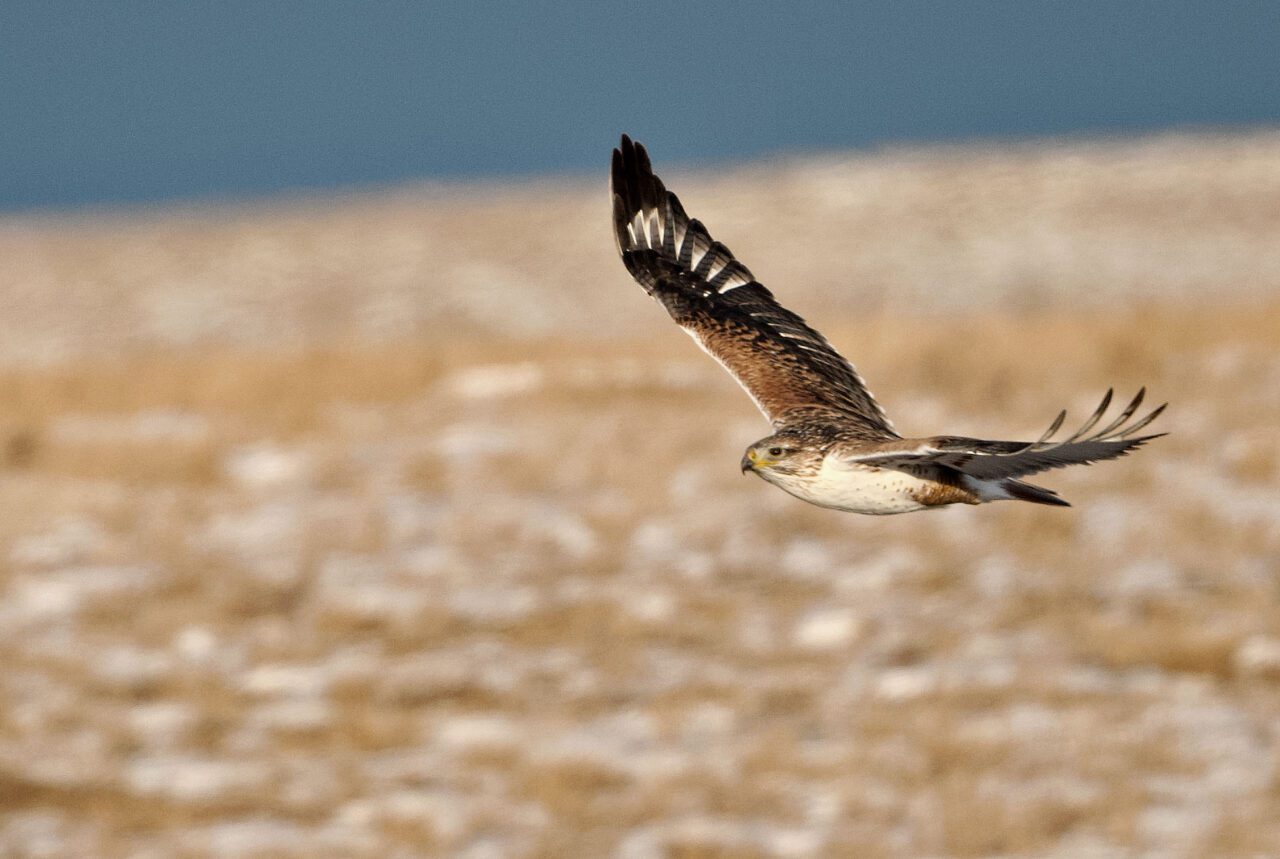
x=775, y=451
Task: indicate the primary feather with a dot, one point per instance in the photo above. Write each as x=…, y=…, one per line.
x=996, y=460
x=788, y=368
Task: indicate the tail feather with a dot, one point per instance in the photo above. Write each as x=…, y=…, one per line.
x=1035, y=494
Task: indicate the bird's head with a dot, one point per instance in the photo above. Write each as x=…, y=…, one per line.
x=782, y=454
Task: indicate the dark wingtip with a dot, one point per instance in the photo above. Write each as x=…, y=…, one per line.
x=1141, y=440
x=630, y=163
x=1035, y=494
x=622, y=153
x=1159, y=410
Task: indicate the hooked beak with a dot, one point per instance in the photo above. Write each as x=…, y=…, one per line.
x=749, y=461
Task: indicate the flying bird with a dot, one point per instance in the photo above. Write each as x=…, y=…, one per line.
x=833, y=445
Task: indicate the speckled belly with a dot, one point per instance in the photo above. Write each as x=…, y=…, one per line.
x=860, y=489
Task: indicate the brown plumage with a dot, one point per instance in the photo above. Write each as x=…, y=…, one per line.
x=786, y=366
x=833, y=444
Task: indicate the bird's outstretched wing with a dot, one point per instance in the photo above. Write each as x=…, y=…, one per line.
x=789, y=369
x=998, y=460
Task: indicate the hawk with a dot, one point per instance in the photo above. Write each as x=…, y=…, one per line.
x=833, y=445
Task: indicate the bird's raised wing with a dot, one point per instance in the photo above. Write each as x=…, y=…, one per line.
x=997, y=460
x=789, y=369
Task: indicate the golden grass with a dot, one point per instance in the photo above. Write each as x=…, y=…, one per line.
x=171, y=489
x=423, y=595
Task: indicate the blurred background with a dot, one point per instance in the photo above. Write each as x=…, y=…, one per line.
x=354, y=501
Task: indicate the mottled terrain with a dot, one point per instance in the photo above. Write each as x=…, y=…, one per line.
x=403, y=524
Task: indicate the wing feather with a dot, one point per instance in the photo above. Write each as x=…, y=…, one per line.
x=998, y=460
x=788, y=369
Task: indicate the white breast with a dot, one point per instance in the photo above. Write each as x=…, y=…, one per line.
x=853, y=487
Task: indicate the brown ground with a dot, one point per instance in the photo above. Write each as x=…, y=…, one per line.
x=404, y=525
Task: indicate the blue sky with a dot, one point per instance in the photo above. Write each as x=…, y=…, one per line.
x=135, y=102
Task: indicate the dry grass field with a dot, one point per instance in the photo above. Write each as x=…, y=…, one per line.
x=404, y=525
